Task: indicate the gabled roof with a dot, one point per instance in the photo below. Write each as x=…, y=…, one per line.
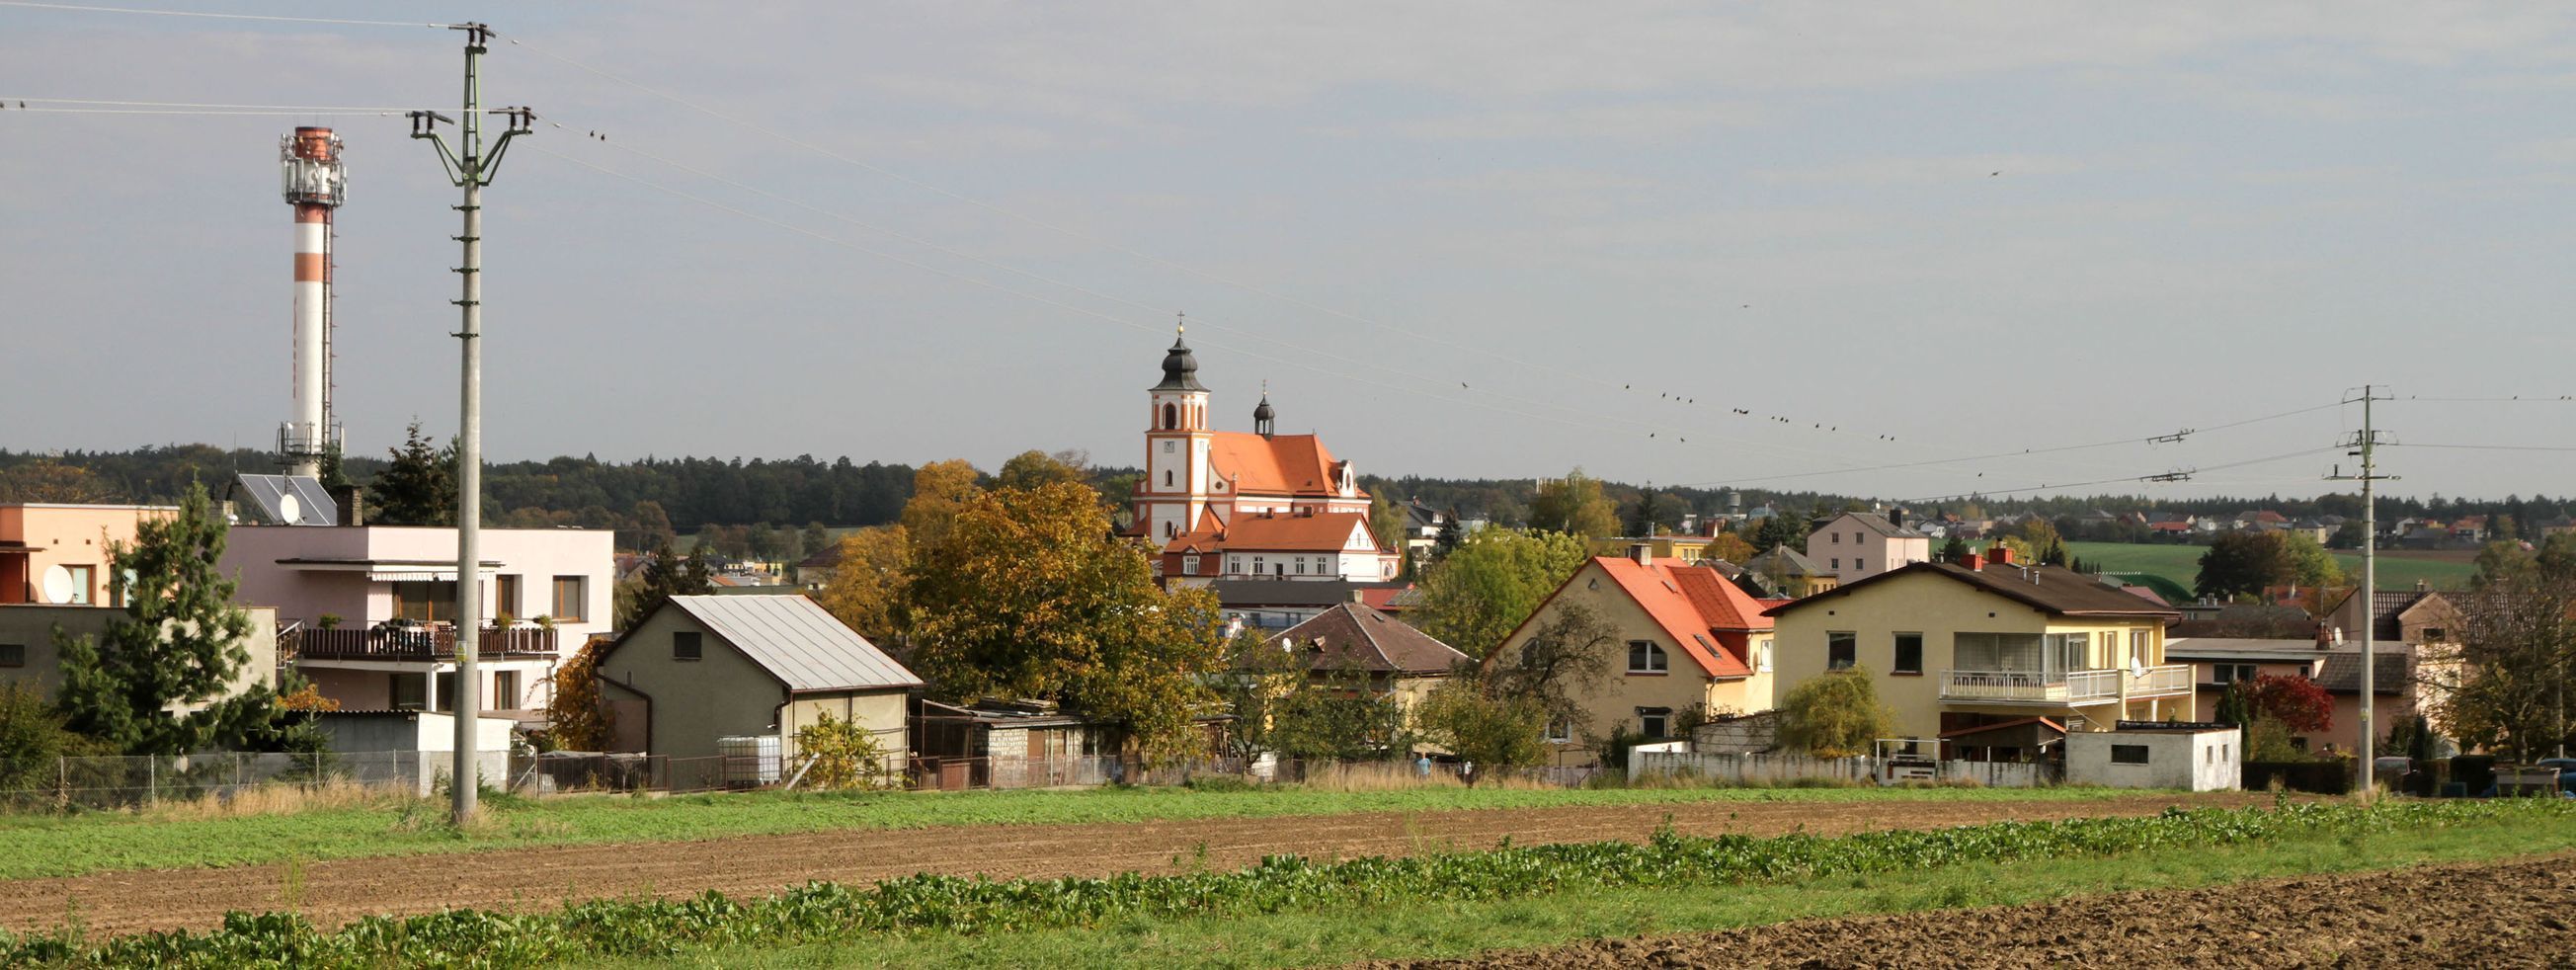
x=2239, y=648
x=1357, y=637
x=2341, y=673
x=2057, y=590
x=1794, y=563
x=1254, y=593
x=1659, y=591
x=1320, y=532
x=1880, y=525
x=795, y=640
x=1287, y=464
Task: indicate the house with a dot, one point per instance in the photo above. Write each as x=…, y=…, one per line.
x=2411, y=618
x=700, y=669
x=2188, y=757
x=1351, y=638
x=30, y=655
x=1857, y=544
x=1783, y=571
x=2220, y=662
x=54, y=553
x=1230, y=504
x=1961, y=647
x=1686, y=640
x=1277, y=604
x=1687, y=548
x=369, y=611
x=815, y=571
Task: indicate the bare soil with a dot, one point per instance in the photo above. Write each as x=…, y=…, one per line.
x=335, y=892
x=2514, y=914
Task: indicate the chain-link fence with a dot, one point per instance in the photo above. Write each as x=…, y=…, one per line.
x=131, y=781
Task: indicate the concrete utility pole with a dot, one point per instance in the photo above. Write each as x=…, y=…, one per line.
x=2364, y=444
x=470, y=168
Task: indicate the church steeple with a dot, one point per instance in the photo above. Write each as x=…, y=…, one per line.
x=1180, y=367
x=1264, y=419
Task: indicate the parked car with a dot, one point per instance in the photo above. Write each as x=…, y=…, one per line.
x=2566, y=772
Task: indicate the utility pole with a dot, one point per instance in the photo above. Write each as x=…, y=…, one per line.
x=470, y=168
x=2364, y=445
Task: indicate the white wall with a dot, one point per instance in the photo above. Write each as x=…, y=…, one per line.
x=2192, y=760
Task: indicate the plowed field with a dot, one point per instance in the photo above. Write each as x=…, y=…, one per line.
x=2497, y=915
x=543, y=878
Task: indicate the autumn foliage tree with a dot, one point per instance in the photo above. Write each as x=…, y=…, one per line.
x=1574, y=505
x=1490, y=583
x=1837, y=715
x=581, y=719
x=866, y=589
x=1026, y=594
x=2300, y=704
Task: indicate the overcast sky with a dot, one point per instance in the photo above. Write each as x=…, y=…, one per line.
x=1488, y=239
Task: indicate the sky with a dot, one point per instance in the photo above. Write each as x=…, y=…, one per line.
x=1492, y=239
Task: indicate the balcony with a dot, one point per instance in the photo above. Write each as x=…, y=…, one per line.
x=434, y=644
x=2066, y=688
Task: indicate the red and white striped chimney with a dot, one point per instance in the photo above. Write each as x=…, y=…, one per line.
x=315, y=184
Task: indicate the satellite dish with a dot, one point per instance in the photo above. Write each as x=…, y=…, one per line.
x=290, y=509
x=58, y=584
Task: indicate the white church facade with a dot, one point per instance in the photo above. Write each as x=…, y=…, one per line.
x=1236, y=505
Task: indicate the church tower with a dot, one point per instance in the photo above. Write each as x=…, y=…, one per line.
x=1176, y=447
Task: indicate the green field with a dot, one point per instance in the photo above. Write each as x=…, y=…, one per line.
x=2181, y=563
x=45, y=845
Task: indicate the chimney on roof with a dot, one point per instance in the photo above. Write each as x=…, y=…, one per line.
x=2421, y=586
x=1359, y=597
x=1896, y=517
x=352, y=502
x=1642, y=552
x=1974, y=562
x=2001, y=554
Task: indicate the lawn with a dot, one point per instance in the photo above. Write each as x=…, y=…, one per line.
x=1464, y=929
x=39, y=846
x=2181, y=563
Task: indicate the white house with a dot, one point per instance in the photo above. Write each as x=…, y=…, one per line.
x=1854, y=545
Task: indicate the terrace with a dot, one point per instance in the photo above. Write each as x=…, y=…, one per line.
x=2064, y=687
x=418, y=644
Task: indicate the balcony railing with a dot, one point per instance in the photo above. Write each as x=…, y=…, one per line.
x=420, y=644
x=2062, y=687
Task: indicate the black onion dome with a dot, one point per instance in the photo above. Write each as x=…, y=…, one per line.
x=1262, y=412
x=1180, y=369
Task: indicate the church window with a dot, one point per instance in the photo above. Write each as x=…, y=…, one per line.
x=1167, y=478
x=1171, y=417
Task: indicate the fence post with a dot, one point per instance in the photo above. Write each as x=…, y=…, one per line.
x=62, y=784
x=151, y=780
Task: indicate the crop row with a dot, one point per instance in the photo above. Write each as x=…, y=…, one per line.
x=931, y=903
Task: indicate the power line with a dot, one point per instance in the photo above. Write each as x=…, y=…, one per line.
x=2172, y=438
x=2413, y=444
x=92, y=102
x=2149, y=479
x=85, y=8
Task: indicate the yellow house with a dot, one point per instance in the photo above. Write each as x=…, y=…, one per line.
x=1997, y=659
x=1786, y=571
x=1689, y=549
x=1687, y=638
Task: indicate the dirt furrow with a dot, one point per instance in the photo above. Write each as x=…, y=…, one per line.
x=2514, y=914
x=542, y=878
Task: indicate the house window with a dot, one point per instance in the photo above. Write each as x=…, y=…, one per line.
x=1560, y=732
x=1301, y=565
x=2071, y=651
x=13, y=655
x=82, y=576
x=505, y=596
x=1762, y=656
x=1909, y=654
x=1834, y=537
x=570, y=606
x=2128, y=754
x=2138, y=647
x=1838, y=564
x=1842, y=650
x=2434, y=634
x=2230, y=673
x=1655, y=722
x=1644, y=657
x=410, y=692
x=425, y=602
x=505, y=690
x=1256, y=565
x=1190, y=565
x=686, y=645
x=446, y=691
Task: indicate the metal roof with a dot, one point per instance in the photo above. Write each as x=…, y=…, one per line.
x=797, y=641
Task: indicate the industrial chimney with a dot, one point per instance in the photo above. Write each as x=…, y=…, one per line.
x=314, y=184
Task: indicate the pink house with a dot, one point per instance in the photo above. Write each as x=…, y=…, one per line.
x=368, y=612
x=57, y=554
x=1858, y=545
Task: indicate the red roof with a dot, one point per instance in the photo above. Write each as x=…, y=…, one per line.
x=1320, y=532
x=1288, y=464
x=1659, y=590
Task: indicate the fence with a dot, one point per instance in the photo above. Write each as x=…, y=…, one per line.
x=58, y=784
x=1775, y=769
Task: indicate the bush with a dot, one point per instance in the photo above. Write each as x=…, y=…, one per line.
x=843, y=754
x=1835, y=716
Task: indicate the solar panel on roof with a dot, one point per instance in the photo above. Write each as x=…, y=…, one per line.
x=291, y=499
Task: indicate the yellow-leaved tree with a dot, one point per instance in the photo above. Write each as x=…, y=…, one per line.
x=866, y=590
x=1027, y=594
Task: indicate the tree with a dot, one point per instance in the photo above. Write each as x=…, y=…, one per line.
x=1031, y=469
x=1779, y=529
x=1730, y=547
x=2047, y=546
x=2242, y=563
x=1451, y=535
x=31, y=737
x=1026, y=594
x=866, y=590
x=1954, y=549
x=843, y=755
x=1649, y=513
x=1837, y=715
x=652, y=526
x=1562, y=660
x=1386, y=523
x=2346, y=536
x=1338, y=714
x=2505, y=682
x=180, y=642
x=1574, y=505
x=2300, y=704
x=581, y=719
x=939, y=490
x=1474, y=598
x=666, y=574
x=419, y=486
x=1495, y=733
x=52, y=481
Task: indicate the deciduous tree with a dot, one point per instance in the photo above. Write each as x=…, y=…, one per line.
x=1474, y=598
x=2300, y=704
x=939, y=490
x=581, y=719
x=1837, y=715
x=1574, y=505
x=866, y=590
x=1026, y=594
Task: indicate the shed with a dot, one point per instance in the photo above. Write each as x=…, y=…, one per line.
x=413, y=747
x=2194, y=757
x=701, y=668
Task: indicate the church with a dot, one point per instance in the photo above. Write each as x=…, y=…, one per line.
x=1227, y=505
